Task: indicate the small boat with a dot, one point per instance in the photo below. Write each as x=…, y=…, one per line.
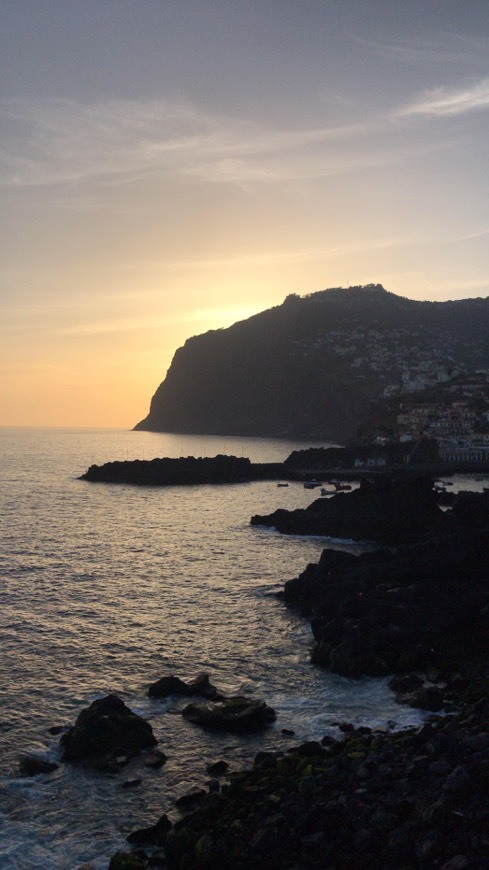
x=282, y=484
x=312, y=484
x=325, y=491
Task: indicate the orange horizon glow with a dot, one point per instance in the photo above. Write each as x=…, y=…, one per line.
x=176, y=171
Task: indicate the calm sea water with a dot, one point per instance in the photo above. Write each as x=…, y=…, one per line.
x=105, y=589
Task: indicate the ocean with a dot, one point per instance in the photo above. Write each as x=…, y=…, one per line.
x=105, y=588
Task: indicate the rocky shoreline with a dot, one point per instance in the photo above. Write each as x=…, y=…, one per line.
x=415, y=799
x=416, y=608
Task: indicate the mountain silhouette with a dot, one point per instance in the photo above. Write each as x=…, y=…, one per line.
x=316, y=366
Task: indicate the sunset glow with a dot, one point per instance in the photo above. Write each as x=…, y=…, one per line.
x=169, y=168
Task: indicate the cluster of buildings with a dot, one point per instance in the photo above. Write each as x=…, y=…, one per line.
x=431, y=375
x=401, y=360
x=460, y=427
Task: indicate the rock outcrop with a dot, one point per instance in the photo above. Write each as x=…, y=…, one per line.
x=171, y=685
x=385, y=510
x=184, y=471
x=424, y=605
x=105, y=731
x=237, y=714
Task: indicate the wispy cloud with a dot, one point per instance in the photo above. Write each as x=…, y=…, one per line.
x=442, y=49
x=474, y=236
x=444, y=102
x=63, y=142
x=84, y=155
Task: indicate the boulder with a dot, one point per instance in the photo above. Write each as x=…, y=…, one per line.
x=218, y=768
x=171, y=685
x=190, y=799
x=167, y=686
x=203, y=687
x=428, y=698
x=154, y=835
x=33, y=765
x=127, y=861
x=155, y=759
x=105, y=730
x=236, y=714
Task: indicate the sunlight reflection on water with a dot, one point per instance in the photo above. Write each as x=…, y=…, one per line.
x=105, y=589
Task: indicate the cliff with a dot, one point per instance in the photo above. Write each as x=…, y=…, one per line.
x=316, y=366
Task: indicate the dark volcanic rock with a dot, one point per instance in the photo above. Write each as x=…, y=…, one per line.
x=218, y=768
x=184, y=471
x=154, y=835
x=155, y=759
x=471, y=509
x=425, y=605
x=33, y=765
x=167, y=686
x=405, y=800
x=385, y=510
x=234, y=714
x=105, y=730
x=190, y=799
x=171, y=685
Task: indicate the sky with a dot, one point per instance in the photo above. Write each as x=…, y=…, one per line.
x=172, y=166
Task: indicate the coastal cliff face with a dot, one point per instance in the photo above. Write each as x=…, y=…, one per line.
x=316, y=366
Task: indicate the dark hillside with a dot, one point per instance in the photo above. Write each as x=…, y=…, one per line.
x=313, y=366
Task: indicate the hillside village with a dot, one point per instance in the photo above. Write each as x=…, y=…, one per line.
x=427, y=382
x=457, y=417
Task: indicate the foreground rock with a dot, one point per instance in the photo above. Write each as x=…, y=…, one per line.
x=154, y=835
x=415, y=799
x=171, y=685
x=105, y=732
x=386, y=510
x=238, y=715
x=33, y=765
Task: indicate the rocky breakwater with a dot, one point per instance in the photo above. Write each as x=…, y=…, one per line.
x=184, y=471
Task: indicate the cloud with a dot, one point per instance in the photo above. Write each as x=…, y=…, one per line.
x=80, y=156
x=442, y=102
x=441, y=49
x=81, y=151
x=63, y=142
